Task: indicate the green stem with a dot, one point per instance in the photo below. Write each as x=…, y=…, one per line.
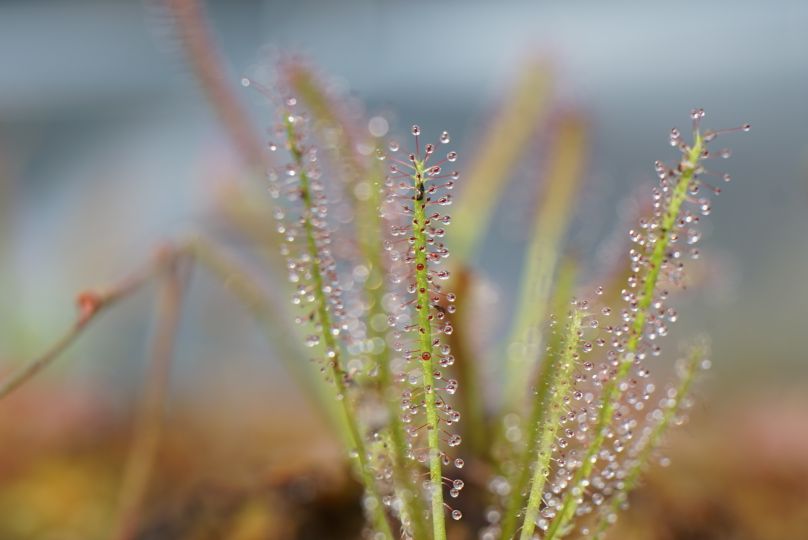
x=612, y=392
x=552, y=423
x=402, y=471
x=423, y=304
x=643, y=456
x=553, y=214
x=369, y=225
x=545, y=382
x=371, y=243
x=333, y=351
x=506, y=140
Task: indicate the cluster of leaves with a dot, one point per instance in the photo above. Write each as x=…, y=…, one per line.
x=387, y=315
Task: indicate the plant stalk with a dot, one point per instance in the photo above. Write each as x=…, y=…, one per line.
x=423, y=304
x=545, y=382
x=359, y=449
x=551, y=423
x=612, y=392
x=140, y=463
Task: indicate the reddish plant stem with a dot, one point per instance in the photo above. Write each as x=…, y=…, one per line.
x=90, y=305
x=146, y=439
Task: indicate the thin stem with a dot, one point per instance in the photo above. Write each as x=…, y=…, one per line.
x=371, y=243
x=553, y=214
x=358, y=447
x=612, y=392
x=402, y=472
x=143, y=451
x=423, y=304
x=210, y=71
x=552, y=422
x=545, y=382
x=268, y=311
x=496, y=156
x=90, y=306
x=673, y=406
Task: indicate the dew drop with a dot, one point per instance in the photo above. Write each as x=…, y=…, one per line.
x=674, y=137
x=705, y=207
x=456, y=515
x=451, y=156
x=416, y=130
x=444, y=137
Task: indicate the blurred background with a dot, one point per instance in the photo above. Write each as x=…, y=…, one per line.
x=111, y=145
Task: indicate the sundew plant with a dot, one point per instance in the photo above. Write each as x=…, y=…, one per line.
x=382, y=309
x=375, y=236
